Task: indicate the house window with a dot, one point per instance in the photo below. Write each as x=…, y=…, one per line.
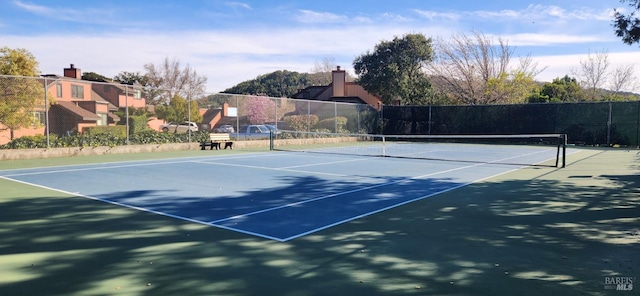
x=59, y=90
x=137, y=94
x=38, y=118
x=77, y=91
x=103, y=119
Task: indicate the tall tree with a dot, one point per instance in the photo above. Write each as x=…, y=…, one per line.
x=92, y=76
x=281, y=83
x=592, y=73
x=18, y=62
x=260, y=110
x=19, y=96
x=623, y=79
x=394, y=70
x=321, y=71
x=511, y=88
x=627, y=26
x=468, y=68
x=173, y=79
x=131, y=78
x=565, y=89
x=178, y=110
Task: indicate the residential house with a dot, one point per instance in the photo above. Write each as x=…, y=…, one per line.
x=340, y=90
x=78, y=104
x=216, y=116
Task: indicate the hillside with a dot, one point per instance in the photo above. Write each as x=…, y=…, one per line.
x=281, y=83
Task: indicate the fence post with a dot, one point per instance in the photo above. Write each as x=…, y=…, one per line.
x=126, y=113
x=46, y=112
x=380, y=126
x=638, y=127
x=308, y=115
x=276, y=102
x=335, y=117
x=429, y=122
x=609, y=126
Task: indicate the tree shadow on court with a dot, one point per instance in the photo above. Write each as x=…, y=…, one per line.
x=527, y=236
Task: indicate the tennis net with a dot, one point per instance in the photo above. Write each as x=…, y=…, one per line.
x=528, y=149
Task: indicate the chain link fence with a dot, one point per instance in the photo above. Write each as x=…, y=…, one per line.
x=598, y=123
x=53, y=111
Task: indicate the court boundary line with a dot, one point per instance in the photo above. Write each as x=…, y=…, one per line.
x=407, y=201
x=286, y=169
x=141, y=209
x=114, y=165
x=214, y=222
x=334, y=195
x=160, y=161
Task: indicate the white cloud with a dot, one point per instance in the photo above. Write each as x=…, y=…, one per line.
x=38, y=9
x=393, y=18
x=437, y=16
x=538, y=12
x=225, y=57
x=102, y=15
x=547, y=39
x=561, y=65
x=309, y=16
x=238, y=4
x=230, y=57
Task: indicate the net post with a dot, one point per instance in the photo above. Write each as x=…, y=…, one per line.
x=271, y=146
x=384, y=146
x=558, y=151
x=564, y=150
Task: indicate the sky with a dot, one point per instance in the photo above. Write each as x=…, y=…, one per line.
x=233, y=41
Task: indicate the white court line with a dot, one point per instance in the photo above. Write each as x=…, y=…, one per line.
x=272, y=169
x=367, y=188
x=271, y=209
x=113, y=165
x=142, y=209
x=408, y=201
x=334, y=195
x=288, y=168
x=99, y=163
x=95, y=168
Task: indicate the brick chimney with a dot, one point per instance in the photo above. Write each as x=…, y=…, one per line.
x=338, y=81
x=72, y=72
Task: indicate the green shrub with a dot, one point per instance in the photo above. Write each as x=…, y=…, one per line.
x=332, y=123
x=27, y=142
x=301, y=122
x=99, y=137
x=118, y=130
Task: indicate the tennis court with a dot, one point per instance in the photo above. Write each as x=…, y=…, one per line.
x=495, y=222
x=280, y=195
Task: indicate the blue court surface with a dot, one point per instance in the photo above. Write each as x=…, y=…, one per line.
x=274, y=195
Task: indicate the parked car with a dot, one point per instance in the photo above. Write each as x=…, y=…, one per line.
x=254, y=131
x=179, y=127
x=225, y=128
x=272, y=128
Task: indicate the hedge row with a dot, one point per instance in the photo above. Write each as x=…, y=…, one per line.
x=104, y=139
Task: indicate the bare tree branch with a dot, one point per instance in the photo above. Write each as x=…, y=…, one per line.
x=465, y=65
x=174, y=80
x=623, y=79
x=592, y=73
